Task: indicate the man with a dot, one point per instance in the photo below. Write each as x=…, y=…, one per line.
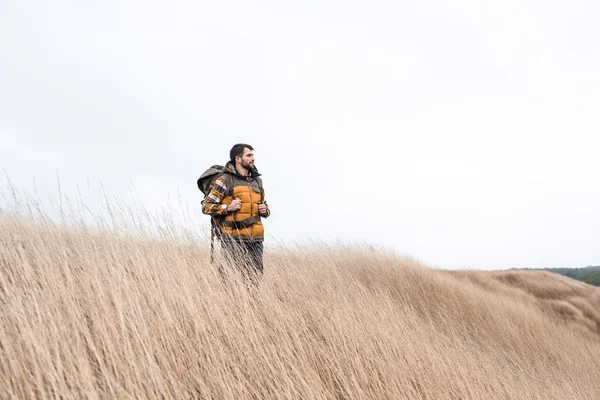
x=236, y=203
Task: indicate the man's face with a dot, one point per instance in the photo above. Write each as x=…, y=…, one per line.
x=247, y=160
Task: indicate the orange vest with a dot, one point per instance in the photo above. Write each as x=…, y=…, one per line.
x=244, y=224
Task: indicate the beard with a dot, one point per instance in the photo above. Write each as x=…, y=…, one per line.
x=248, y=166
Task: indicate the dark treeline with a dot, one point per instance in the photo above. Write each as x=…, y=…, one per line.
x=589, y=275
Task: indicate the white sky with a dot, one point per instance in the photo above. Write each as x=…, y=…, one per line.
x=462, y=133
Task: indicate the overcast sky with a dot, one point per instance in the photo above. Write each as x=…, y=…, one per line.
x=465, y=133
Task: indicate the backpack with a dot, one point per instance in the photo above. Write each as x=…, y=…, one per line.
x=205, y=184
x=208, y=178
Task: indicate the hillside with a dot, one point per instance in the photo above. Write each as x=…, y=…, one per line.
x=589, y=275
x=99, y=315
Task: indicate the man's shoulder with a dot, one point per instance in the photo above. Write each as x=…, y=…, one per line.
x=258, y=181
x=223, y=179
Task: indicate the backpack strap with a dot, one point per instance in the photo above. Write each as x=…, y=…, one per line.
x=217, y=222
x=213, y=229
x=228, y=183
x=262, y=191
x=242, y=224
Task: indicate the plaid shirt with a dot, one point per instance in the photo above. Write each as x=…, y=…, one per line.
x=212, y=203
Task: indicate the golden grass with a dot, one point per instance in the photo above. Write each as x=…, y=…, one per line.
x=95, y=315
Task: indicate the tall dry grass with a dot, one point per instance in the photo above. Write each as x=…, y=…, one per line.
x=92, y=314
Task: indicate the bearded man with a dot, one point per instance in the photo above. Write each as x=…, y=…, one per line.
x=236, y=202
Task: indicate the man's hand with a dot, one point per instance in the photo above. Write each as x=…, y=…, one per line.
x=262, y=209
x=235, y=205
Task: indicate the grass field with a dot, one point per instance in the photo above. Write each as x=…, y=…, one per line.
x=94, y=314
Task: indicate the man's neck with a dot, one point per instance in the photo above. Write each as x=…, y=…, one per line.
x=242, y=171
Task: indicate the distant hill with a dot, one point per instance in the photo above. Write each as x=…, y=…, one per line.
x=589, y=275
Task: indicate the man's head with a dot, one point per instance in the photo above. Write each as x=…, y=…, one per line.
x=242, y=155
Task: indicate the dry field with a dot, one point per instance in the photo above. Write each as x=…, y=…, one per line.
x=101, y=315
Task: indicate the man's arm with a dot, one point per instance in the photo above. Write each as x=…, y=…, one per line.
x=212, y=203
x=264, y=210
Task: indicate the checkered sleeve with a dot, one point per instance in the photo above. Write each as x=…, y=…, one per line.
x=212, y=203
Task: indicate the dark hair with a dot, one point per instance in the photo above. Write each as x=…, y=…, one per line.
x=238, y=150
